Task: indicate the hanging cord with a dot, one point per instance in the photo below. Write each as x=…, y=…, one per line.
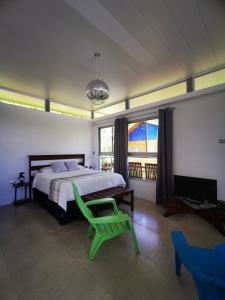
x=97, y=59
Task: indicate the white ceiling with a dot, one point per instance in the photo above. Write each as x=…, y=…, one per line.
x=47, y=46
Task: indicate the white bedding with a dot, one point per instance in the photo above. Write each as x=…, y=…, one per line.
x=87, y=181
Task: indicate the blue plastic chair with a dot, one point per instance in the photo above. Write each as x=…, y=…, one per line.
x=207, y=266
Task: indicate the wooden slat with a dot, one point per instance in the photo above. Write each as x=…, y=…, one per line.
x=56, y=157
x=96, y=195
x=135, y=169
x=112, y=192
x=150, y=171
x=105, y=194
x=87, y=197
x=38, y=167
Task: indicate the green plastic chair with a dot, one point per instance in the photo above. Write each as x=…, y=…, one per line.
x=106, y=227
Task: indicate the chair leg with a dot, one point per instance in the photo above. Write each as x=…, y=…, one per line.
x=90, y=231
x=133, y=236
x=94, y=247
x=177, y=264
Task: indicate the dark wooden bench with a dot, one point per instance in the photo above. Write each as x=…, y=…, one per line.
x=116, y=192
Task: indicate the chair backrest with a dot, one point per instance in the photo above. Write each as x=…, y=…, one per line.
x=208, y=273
x=83, y=208
x=183, y=250
x=135, y=169
x=150, y=171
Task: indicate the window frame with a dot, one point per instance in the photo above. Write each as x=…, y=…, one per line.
x=150, y=94
x=134, y=154
x=99, y=141
x=15, y=98
x=198, y=76
x=143, y=154
x=110, y=154
x=129, y=154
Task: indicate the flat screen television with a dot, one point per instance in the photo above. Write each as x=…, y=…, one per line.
x=193, y=188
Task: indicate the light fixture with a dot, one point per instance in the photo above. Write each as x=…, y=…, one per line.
x=97, y=90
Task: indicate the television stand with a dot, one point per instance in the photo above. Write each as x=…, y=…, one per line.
x=214, y=214
x=195, y=205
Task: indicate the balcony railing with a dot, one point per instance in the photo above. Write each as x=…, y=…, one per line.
x=106, y=167
x=148, y=171
x=135, y=169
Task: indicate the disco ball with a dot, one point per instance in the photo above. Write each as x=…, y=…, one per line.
x=97, y=91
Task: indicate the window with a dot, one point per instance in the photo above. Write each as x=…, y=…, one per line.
x=18, y=99
x=106, y=137
x=110, y=110
x=142, y=149
x=37, y=103
x=211, y=79
x=106, y=144
x=142, y=167
x=164, y=93
x=98, y=115
x=143, y=136
x=69, y=111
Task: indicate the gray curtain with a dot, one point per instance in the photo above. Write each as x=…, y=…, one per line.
x=164, y=184
x=120, y=147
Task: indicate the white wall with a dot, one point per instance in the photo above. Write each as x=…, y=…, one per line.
x=198, y=125
x=199, y=122
x=25, y=131
x=143, y=189
x=95, y=149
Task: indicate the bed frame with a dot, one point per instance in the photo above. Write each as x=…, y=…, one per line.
x=36, y=162
x=41, y=161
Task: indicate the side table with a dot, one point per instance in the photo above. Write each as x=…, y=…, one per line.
x=25, y=186
x=215, y=216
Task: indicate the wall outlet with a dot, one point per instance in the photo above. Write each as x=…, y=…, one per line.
x=221, y=141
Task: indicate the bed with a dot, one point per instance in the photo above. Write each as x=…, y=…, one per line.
x=54, y=190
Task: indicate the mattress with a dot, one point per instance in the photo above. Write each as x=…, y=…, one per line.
x=58, y=186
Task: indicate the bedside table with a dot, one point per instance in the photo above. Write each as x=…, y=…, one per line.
x=25, y=186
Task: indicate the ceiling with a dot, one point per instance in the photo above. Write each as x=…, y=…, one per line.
x=47, y=46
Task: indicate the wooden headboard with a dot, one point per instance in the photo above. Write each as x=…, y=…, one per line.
x=36, y=162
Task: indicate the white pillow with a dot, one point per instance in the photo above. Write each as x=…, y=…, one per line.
x=59, y=166
x=46, y=170
x=72, y=165
x=81, y=167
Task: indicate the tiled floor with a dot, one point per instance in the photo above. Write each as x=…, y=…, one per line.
x=39, y=259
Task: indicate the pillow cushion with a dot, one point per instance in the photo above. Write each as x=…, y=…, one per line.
x=81, y=167
x=72, y=165
x=46, y=170
x=59, y=166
